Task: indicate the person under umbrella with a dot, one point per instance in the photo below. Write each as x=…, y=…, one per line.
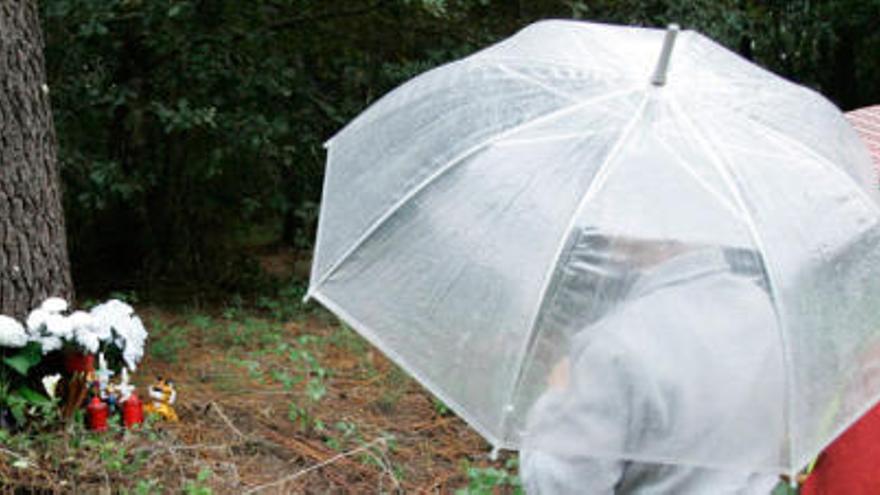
x=635, y=376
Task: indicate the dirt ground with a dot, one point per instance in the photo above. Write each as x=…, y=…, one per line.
x=265, y=406
x=273, y=397
x=381, y=432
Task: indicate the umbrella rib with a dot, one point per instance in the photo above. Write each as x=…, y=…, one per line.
x=544, y=139
x=793, y=143
x=820, y=158
x=723, y=170
x=684, y=165
x=454, y=162
x=531, y=80
x=599, y=178
x=583, y=69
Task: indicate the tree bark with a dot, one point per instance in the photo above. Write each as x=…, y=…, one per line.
x=33, y=244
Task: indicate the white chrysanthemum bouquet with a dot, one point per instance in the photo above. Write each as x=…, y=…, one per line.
x=111, y=327
x=107, y=325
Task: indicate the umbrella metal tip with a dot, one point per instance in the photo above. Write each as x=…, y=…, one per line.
x=659, y=78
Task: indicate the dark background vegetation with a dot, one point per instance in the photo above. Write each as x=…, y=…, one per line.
x=191, y=131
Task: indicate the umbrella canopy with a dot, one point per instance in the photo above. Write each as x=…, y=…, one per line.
x=866, y=122
x=487, y=214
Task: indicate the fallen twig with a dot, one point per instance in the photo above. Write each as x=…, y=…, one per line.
x=163, y=446
x=226, y=420
x=299, y=474
x=13, y=454
x=381, y=459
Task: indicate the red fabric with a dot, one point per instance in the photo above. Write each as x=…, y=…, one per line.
x=851, y=464
x=866, y=122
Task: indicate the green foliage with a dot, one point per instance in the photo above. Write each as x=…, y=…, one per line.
x=186, y=127
x=301, y=356
x=146, y=487
x=111, y=453
x=201, y=322
x=285, y=379
x=346, y=432
x=345, y=338
x=488, y=480
x=440, y=407
x=165, y=341
x=23, y=402
x=395, y=385
x=129, y=296
x=19, y=373
x=24, y=359
x=198, y=487
x=302, y=416
x=293, y=360
x=784, y=489
x=286, y=303
x=171, y=141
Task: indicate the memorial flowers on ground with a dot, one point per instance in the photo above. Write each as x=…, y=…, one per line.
x=56, y=344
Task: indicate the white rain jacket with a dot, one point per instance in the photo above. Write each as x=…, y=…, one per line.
x=690, y=348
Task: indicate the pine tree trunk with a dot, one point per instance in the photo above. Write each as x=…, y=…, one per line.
x=33, y=243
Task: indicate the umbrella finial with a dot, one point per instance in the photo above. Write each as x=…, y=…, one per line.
x=659, y=78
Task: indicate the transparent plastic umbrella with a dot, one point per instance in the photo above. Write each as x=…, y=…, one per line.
x=481, y=216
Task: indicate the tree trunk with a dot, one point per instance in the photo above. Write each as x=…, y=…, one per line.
x=33, y=243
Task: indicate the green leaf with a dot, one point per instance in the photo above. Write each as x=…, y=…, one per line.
x=204, y=474
x=17, y=411
x=32, y=397
x=24, y=359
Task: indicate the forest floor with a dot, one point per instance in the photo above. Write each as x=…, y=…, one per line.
x=276, y=398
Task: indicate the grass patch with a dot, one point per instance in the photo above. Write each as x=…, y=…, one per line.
x=485, y=480
x=166, y=340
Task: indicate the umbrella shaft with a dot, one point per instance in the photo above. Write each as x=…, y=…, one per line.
x=659, y=78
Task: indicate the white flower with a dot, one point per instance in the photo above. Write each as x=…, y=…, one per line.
x=132, y=355
x=50, y=343
x=36, y=321
x=113, y=307
x=58, y=325
x=109, y=316
x=135, y=335
x=12, y=333
x=137, y=331
x=83, y=325
x=114, y=320
x=50, y=383
x=102, y=328
x=54, y=305
x=81, y=321
x=87, y=339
